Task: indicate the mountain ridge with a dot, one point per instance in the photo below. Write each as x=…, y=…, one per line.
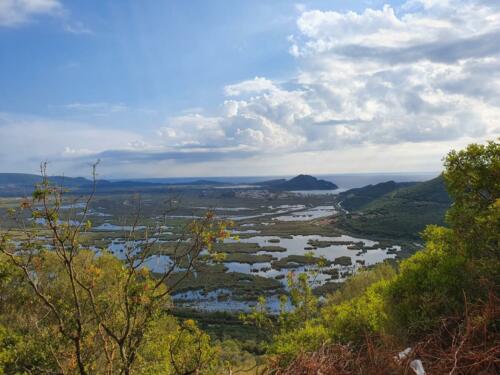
x=403, y=212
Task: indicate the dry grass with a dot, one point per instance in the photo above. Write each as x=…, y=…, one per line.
x=466, y=345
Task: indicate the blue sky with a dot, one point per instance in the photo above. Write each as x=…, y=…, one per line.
x=163, y=55
x=171, y=88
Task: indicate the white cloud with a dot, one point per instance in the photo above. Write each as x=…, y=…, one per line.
x=418, y=22
x=98, y=108
x=382, y=89
x=252, y=86
x=77, y=27
x=427, y=72
x=30, y=140
x=16, y=12
x=68, y=151
x=415, y=75
x=191, y=130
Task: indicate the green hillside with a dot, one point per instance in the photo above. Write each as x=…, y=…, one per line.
x=402, y=213
x=354, y=199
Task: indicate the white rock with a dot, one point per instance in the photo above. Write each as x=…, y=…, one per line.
x=402, y=355
x=417, y=366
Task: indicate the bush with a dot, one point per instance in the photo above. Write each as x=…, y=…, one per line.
x=431, y=284
x=308, y=338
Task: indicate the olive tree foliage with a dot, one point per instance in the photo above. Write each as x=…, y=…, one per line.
x=472, y=178
x=86, y=311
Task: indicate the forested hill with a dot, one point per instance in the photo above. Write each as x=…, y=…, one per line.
x=23, y=183
x=25, y=179
x=356, y=198
x=402, y=212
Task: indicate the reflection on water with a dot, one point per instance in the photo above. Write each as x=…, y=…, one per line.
x=311, y=214
x=112, y=227
x=318, y=192
x=300, y=245
x=222, y=300
x=361, y=252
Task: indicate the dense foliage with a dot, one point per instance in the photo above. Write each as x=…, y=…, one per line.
x=30, y=336
x=394, y=210
x=67, y=309
x=459, y=267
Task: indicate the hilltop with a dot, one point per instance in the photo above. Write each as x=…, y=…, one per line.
x=300, y=182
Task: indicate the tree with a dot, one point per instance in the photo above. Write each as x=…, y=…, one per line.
x=98, y=311
x=473, y=180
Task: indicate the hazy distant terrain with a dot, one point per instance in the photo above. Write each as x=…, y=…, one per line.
x=13, y=184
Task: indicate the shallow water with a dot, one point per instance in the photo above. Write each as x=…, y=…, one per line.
x=306, y=215
x=223, y=300
x=226, y=208
x=245, y=231
x=297, y=246
x=283, y=209
x=318, y=192
x=112, y=227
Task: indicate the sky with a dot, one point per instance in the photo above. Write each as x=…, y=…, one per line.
x=244, y=88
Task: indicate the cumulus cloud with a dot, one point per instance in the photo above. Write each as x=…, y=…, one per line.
x=16, y=12
x=252, y=86
x=426, y=74
x=418, y=23
x=417, y=74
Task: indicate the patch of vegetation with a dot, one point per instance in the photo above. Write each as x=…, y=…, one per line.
x=343, y=261
x=324, y=243
x=248, y=258
x=278, y=249
x=212, y=277
x=327, y=288
x=295, y=261
x=283, y=229
x=238, y=247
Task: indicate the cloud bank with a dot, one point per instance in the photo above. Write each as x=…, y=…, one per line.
x=426, y=74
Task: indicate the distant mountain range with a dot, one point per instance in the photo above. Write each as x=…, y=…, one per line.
x=15, y=184
x=20, y=184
